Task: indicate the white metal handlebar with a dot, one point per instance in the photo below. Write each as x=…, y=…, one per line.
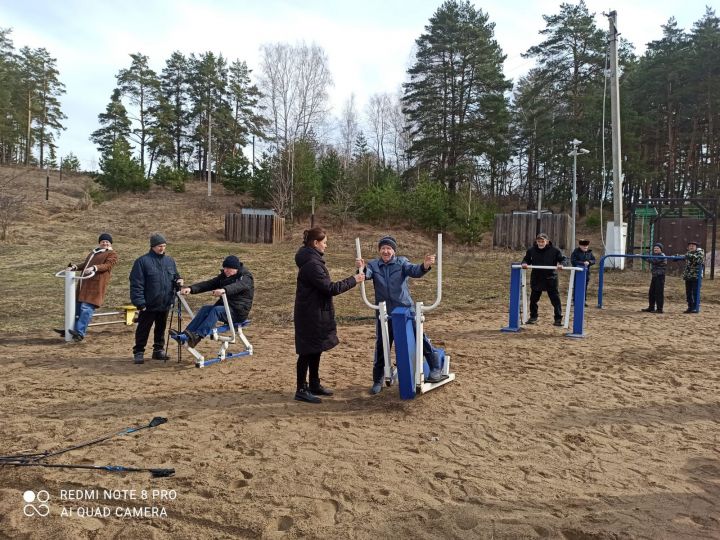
x=439, y=278
x=571, y=268
x=362, y=283
x=62, y=273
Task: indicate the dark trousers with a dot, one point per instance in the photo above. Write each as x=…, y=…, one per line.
x=146, y=319
x=691, y=293
x=656, y=294
x=552, y=293
x=379, y=361
x=307, y=362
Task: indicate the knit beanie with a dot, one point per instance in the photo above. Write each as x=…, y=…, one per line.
x=659, y=245
x=231, y=261
x=105, y=236
x=388, y=241
x=156, y=239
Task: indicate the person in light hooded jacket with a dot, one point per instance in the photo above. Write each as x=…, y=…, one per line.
x=390, y=275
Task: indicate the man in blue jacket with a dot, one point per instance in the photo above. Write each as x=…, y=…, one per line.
x=153, y=281
x=390, y=275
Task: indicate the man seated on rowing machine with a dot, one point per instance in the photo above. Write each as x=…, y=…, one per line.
x=236, y=282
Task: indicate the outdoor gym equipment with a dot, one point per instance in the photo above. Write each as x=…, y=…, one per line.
x=519, y=299
x=601, y=280
x=127, y=311
x=408, y=331
x=218, y=334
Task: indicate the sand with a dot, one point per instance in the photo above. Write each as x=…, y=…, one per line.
x=541, y=436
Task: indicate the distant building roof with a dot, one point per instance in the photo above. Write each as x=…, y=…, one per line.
x=258, y=211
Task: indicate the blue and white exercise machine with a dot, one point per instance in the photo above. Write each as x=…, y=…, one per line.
x=408, y=329
x=601, y=280
x=219, y=333
x=519, y=298
x=127, y=312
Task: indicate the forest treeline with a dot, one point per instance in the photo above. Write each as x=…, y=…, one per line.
x=453, y=142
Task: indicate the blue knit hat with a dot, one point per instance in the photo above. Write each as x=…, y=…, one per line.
x=388, y=241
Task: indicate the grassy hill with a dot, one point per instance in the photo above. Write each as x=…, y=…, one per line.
x=65, y=227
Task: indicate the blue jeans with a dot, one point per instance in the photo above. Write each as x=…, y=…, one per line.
x=83, y=314
x=205, y=320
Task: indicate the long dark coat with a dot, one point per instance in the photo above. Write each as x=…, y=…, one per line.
x=315, y=327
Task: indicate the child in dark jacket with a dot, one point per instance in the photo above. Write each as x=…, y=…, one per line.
x=656, y=294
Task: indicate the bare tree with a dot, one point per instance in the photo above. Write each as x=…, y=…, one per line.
x=378, y=114
x=294, y=81
x=348, y=129
x=12, y=206
x=398, y=134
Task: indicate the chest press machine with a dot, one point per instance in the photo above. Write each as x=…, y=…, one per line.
x=408, y=330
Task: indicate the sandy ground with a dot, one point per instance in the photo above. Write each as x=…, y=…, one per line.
x=611, y=436
x=541, y=436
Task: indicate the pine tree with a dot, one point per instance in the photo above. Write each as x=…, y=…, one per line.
x=454, y=99
x=173, y=114
x=115, y=125
x=141, y=85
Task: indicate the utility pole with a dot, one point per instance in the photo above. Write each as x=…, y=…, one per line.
x=539, y=212
x=618, y=244
x=574, y=153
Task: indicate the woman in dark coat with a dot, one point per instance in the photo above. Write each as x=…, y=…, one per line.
x=315, y=328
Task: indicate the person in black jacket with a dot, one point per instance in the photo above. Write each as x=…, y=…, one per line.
x=656, y=294
x=153, y=281
x=543, y=253
x=236, y=282
x=314, y=313
x=583, y=256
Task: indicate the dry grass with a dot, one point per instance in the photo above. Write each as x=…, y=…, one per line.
x=57, y=231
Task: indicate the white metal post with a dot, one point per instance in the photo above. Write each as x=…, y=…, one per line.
x=69, y=303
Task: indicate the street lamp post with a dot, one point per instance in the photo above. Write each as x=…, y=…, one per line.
x=574, y=153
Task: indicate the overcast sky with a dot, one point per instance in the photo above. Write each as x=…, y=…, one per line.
x=368, y=43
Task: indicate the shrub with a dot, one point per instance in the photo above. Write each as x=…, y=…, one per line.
x=170, y=177
x=236, y=175
x=120, y=172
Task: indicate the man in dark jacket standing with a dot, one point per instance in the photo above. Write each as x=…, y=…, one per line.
x=153, y=281
x=236, y=282
x=543, y=253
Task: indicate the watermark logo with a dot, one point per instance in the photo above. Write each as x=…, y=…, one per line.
x=36, y=504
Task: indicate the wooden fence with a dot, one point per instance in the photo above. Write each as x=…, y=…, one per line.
x=254, y=229
x=517, y=231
